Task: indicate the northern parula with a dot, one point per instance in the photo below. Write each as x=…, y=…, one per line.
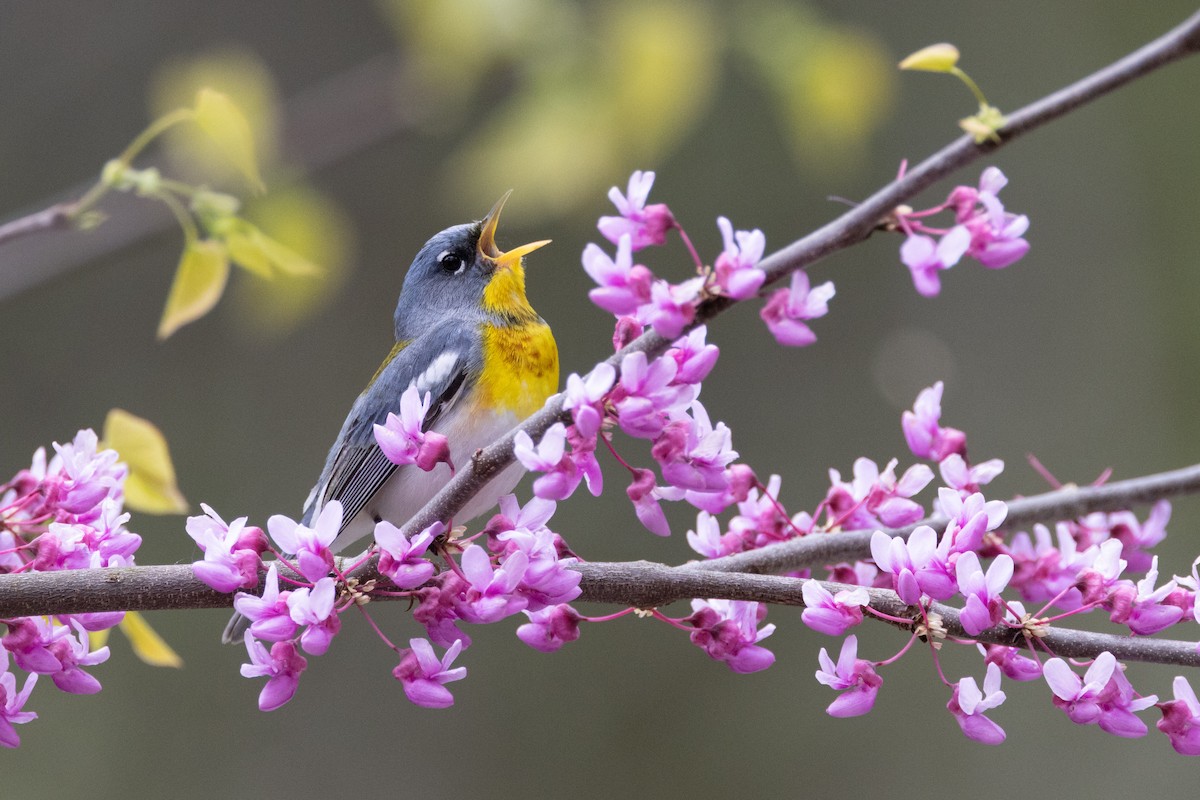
x=466, y=334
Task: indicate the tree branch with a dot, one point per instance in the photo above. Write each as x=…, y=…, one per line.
x=56, y=217
x=1069, y=502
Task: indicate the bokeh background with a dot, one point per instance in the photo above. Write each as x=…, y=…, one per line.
x=382, y=123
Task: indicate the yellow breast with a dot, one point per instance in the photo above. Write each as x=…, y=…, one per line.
x=520, y=368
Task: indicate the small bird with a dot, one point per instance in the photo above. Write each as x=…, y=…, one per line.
x=465, y=334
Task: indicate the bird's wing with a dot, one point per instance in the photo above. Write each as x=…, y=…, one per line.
x=443, y=362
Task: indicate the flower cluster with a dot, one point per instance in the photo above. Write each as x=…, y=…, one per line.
x=983, y=230
x=632, y=291
x=65, y=512
x=523, y=568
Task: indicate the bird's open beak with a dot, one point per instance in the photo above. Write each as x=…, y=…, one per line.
x=487, y=240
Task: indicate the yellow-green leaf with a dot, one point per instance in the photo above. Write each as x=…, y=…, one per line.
x=225, y=124
x=147, y=644
x=199, y=282
x=150, y=485
x=934, y=58
x=259, y=253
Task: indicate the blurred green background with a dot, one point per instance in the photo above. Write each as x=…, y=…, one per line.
x=394, y=120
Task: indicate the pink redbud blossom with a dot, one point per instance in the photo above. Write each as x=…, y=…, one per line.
x=698, y=460
x=996, y=236
x=423, y=676
x=313, y=608
x=584, y=398
x=970, y=518
x=645, y=225
x=623, y=286
x=728, y=631
x=561, y=475
x=877, y=499
x=1011, y=662
x=984, y=606
x=645, y=502
x=695, y=358
x=917, y=566
x=438, y=608
x=269, y=615
x=926, y=258
x=1103, y=696
x=967, y=478
x=281, y=667
x=787, y=309
x=491, y=595
x=12, y=703
x=968, y=705
x=736, y=269
x=925, y=437
x=647, y=393
x=832, y=613
x=402, y=440
x=855, y=678
x=231, y=552
x=310, y=546
x=401, y=559
x=549, y=629
x=73, y=653
x=672, y=306
x=1180, y=721
x=708, y=540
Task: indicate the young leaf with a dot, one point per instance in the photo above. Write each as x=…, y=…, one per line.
x=225, y=124
x=199, y=282
x=150, y=486
x=147, y=644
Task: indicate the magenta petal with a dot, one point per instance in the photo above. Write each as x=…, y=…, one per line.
x=853, y=703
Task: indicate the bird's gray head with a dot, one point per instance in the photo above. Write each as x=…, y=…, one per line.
x=461, y=274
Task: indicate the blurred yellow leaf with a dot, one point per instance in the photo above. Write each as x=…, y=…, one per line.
x=241, y=77
x=225, y=124
x=150, y=485
x=663, y=62
x=307, y=230
x=199, y=281
x=251, y=248
x=832, y=83
x=147, y=644
x=934, y=58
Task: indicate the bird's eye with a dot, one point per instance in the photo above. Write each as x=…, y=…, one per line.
x=450, y=262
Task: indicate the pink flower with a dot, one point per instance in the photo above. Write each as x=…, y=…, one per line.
x=623, y=285
x=645, y=225
x=584, y=398
x=313, y=608
x=310, y=546
x=832, y=613
x=728, y=631
x=917, y=566
x=231, y=552
x=984, y=606
x=694, y=358
x=876, y=499
x=698, y=460
x=491, y=594
x=1009, y=659
x=995, y=235
x=282, y=668
x=561, y=475
x=1180, y=720
x=647, y=393
x=12, y=703
x=402, y=440
x=1103, y=696
x=269, y=615
x=672, y=306
x=855, y=678
x=926, y=258
x=403, y=560
x=424, y=677
x=968, y=705
x=549, y=629
x=736, y=269
x=787, y=309
x=708, y=540
x=645, y=502
x=926, y=438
